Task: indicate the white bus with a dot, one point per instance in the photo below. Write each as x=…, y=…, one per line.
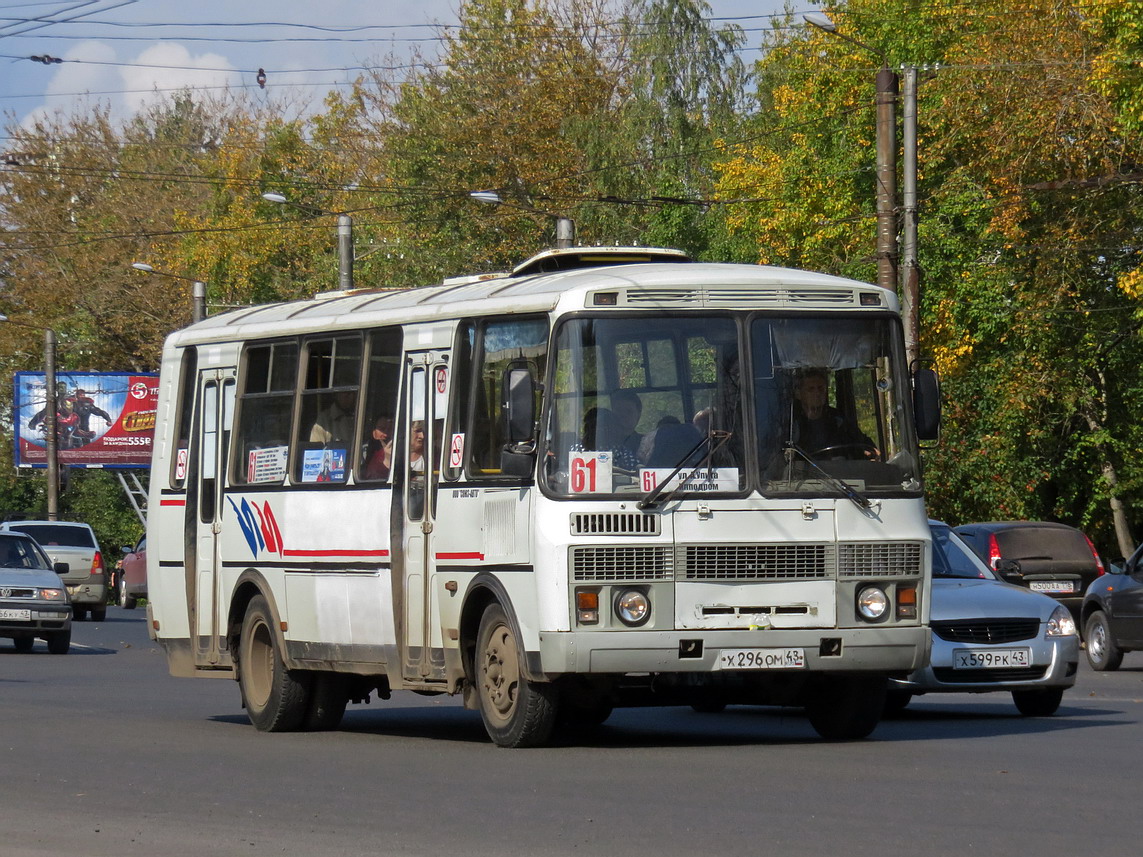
x=611, y=477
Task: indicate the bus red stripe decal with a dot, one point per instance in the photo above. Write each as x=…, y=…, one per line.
x=172, y=502
x=473, y=555
x=338, y=553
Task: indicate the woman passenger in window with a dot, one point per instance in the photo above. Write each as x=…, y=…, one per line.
x=417, y=446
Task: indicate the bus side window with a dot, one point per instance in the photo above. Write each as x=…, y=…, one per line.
x=500, y=343
x=379, y=408
x=265, y=404
x=184, y=410
x=327, y=417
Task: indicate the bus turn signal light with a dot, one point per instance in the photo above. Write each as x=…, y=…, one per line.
x=906, y=602
x=587, y=607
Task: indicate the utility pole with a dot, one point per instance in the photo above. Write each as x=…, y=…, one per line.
x=887, y=89
x=51, y=441
x=910, y=269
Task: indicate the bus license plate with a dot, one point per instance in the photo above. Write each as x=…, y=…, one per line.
x=1051, y=585
x=991, y=659
x=761, y=659
x=16, y=615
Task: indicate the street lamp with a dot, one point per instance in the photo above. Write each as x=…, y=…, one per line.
x=198, y=289
x=344, y=237
x=51, y=440
x=565, y=226
x=887, y=87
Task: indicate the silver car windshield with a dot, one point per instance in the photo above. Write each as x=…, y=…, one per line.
x=953, y=558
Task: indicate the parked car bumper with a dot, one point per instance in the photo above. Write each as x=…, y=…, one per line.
x=86, y=594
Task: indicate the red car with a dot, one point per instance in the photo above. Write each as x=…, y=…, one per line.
x=132, y=574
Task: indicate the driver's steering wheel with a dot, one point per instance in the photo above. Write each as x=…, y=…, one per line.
x=868, y=450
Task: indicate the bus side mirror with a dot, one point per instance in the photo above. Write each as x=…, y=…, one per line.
x=927, y=404
x=519, y=405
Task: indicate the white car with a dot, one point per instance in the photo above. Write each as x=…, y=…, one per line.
x=33, y=599
x=72, y=543
x=989, y=635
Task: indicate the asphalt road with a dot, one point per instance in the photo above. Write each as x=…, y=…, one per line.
x=102, y=753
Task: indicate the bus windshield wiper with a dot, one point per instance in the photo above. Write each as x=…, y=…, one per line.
x=656, y=495
x=841, y=486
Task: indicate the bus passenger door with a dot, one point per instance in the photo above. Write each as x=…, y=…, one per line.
x=426, y=387
x=216, y=410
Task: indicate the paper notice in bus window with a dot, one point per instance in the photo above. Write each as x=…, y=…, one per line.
x=697, y=480
x=590, y=473
x=323, y=465
x=456, y=451
x=266, y=465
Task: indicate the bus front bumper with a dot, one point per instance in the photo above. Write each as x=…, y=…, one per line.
x=884, y=650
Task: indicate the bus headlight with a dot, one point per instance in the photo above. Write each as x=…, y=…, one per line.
x=633, y=607
x=872, y=603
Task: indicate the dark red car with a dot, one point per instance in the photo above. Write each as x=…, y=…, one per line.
x=132, y=575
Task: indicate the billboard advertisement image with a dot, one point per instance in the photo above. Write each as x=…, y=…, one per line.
x=103, y=419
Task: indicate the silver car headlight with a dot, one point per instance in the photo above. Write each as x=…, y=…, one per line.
x=1061, y=624
x=52, y=594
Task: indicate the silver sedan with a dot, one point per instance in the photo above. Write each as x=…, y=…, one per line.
x=989, y=635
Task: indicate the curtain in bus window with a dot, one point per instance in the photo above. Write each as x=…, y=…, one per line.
x=822, y=343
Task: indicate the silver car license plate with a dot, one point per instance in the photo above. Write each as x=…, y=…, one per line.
x=991, y=659
x=16, y=615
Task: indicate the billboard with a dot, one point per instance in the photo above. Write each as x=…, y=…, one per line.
x=103, y=419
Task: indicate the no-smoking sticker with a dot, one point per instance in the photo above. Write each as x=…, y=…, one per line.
x=441, y=379
x=456, y=451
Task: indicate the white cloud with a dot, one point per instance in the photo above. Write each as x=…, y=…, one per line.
x=159, y=70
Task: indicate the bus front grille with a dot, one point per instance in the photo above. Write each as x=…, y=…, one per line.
x=622, y=563
x=614, y=524
x=879, y=559
x=758, y=562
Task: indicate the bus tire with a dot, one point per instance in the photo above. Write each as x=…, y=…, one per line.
x=516, y=712
x=328, y=697
x=276, y=698
x=846, y=708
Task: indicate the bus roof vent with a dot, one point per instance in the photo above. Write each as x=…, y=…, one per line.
x=614, y=524
x=572, y=258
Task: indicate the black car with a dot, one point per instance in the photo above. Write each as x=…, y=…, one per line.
x=1047, y=557
x=1112, y=614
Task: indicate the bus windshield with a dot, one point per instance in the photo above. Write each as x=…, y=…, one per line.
x=726, y=403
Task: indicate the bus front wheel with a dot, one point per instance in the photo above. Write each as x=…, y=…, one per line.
x=516, y=712
x=276, y=699
x=845, y=708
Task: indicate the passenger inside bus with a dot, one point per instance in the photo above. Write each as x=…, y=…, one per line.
x=335, y=421
x=379, y=450
x=627, y=408
x=603, y=432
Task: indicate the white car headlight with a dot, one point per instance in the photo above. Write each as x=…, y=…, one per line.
x=1061, y=624
x=52, y=594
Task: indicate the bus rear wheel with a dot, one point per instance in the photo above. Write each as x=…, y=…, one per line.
x=516, y=712
x=276, y=698
x=846, y=708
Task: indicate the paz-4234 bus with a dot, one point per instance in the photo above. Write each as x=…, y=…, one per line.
x=610, y=477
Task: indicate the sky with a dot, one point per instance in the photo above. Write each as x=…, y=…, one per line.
x=118, y=52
